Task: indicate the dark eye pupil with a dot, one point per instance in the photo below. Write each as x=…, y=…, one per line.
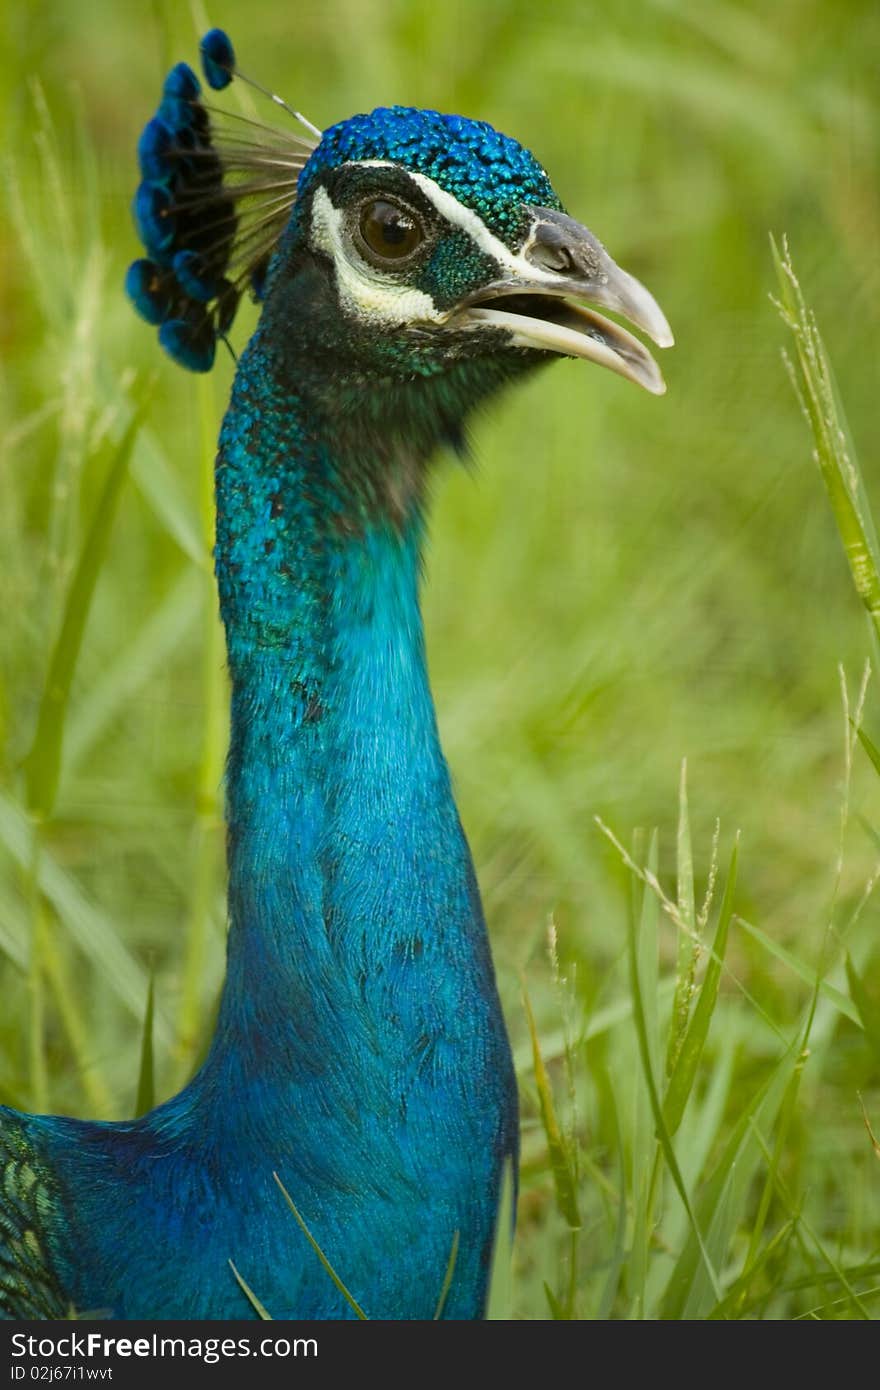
x=390, y=231
x=395, y=230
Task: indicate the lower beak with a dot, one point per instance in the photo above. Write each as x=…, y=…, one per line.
x=561, y=263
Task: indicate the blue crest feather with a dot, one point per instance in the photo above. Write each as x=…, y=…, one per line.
x=192, y=344
x=218, y=59
x=182, y=82
x=147, y=289
x=208, y=210
x=154, y=149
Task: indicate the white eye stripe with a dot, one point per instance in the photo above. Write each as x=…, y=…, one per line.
x=452, y=211
x=365, y=291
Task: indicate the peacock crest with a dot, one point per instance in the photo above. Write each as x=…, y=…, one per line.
x=216, y=191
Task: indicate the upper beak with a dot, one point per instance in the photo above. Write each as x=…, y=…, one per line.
x=561, y=261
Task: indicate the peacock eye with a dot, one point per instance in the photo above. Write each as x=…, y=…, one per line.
x=390, y=232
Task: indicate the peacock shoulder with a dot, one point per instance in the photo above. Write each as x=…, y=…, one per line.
x=31, y=1216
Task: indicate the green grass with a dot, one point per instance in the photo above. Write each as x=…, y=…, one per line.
x=624, y=584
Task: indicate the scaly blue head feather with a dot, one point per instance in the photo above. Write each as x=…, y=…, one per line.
x=483, y=169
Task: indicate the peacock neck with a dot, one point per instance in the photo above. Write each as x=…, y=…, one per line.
x=344, y=844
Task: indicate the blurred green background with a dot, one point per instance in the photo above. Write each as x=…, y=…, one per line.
x=621, y=582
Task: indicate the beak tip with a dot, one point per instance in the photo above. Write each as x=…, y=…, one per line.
x=656, y=325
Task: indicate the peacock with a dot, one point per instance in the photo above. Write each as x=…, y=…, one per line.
x=408, y=265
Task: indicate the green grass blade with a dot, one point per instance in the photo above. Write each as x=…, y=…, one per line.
x=870, y=747
x=866, y=1004
x=207, y=841
x=682, y=1079
x=688, y=947
x=258, y=1307
x=557, y=1311
x=447, y=1278
x=639, y=1020
x=157, y=482
x=349, y=1297
x=726, y=1191
x=875, y=1142
x=814, y=383
x=146, y=1090
x=561, y=1163
x=602, y=1021
x=42, y=765
x=97, y=1094
x=172, y=623
x=735, y=1302
x=95, y=936
x=13, y=941
x=618, y=1252
x=643, y=918
x=706, y=1109
x=772, y=1181
x=647, y=959
x=802, y=1224
x=868, y=1269
x=499, y=1303
x=804, y=972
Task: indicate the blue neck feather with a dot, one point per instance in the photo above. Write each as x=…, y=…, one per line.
x=338, y=794
x=360, y=1050
x=360, y=1015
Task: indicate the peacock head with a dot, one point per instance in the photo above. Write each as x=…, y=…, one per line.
x=405, y=243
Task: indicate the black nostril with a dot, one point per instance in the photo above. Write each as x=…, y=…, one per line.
x=550, y=250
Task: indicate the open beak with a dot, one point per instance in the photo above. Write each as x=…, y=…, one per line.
x=562, y=262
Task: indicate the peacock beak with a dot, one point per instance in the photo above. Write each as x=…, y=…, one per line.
x=537, y=303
